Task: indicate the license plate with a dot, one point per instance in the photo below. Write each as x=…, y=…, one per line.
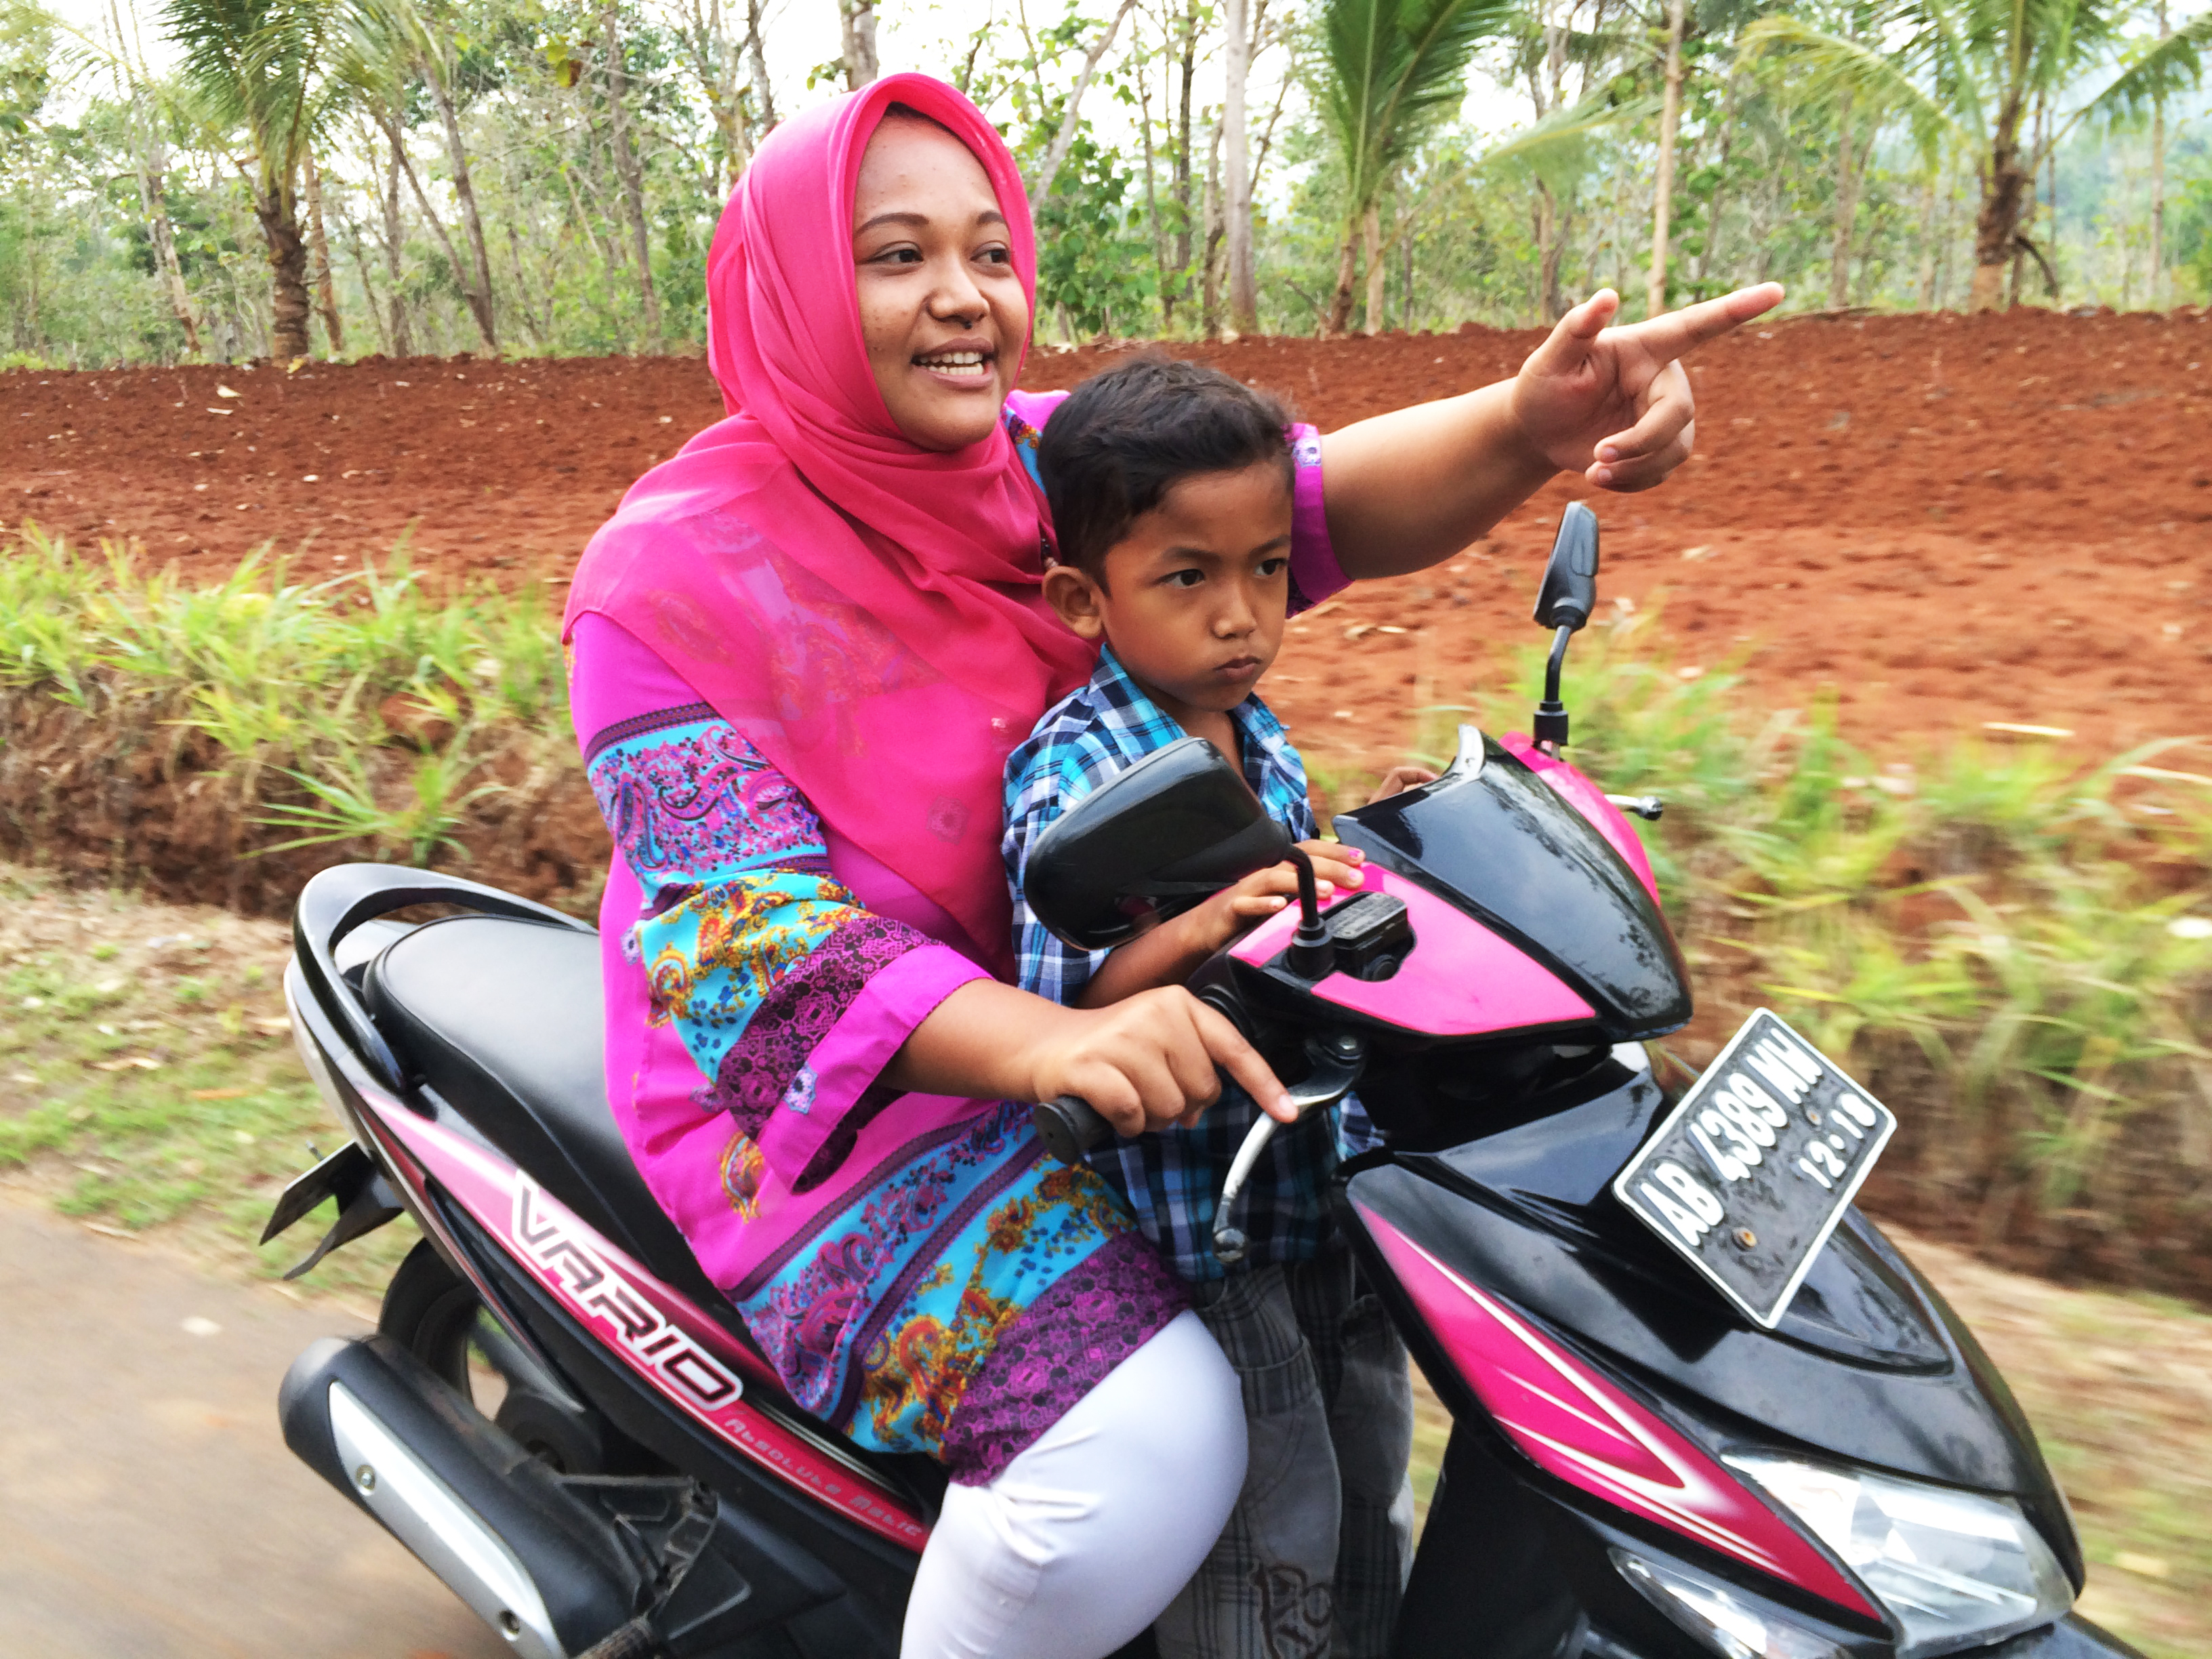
x=1751, y=1172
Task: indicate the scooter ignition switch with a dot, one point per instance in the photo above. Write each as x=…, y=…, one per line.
x=1372, y=933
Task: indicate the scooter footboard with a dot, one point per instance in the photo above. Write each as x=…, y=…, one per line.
x=492, y=1522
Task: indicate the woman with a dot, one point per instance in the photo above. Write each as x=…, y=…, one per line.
x=801, y=650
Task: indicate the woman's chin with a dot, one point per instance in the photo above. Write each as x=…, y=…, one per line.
x=946, y=418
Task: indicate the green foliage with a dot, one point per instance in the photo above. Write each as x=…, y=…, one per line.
x=301, y=681
x=1093, y=266
x=2036, y=942
x=1394, y=68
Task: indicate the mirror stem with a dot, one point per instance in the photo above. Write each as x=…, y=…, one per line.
x=1312, y=954
x=1551, y=722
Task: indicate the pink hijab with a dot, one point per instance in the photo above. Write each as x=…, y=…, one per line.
x=868, y=612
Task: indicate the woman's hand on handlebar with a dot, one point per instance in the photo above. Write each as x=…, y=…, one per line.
x=1148, y=1060
x=1151, y=1061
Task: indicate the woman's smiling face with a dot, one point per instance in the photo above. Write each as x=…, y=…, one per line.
x=942, y=310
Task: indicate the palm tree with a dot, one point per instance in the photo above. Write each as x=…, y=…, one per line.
x=1981, y=69
x=1390, y=70
x=265, y=66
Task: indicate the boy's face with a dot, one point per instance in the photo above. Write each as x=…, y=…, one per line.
x=1195, y=593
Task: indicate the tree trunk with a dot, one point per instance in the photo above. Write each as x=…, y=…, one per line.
x=278, y=212
x=395, y=236
x=437, y=226
x=1663, y=192
x=1550, y=303
x=1371, y=237
x=538, y=334
x=857, y=19
x=368, y=273
x=476, y=285
x=1162, y=290
x=1185, y=223
x=1997, y=226
x=1339, y=317
x=1405, y=302
x=319, y=245
x=631, y=177
x=715, y=62
x=1847, y=210
x=1243, y=286
x=1071, y=114
x=153, y=193
x=1929, y=234
x=1713, y=202
x=764, y=119
x=1209, y=309
x=2158, y=185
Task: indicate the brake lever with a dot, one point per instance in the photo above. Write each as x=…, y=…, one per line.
x=1337, y=1063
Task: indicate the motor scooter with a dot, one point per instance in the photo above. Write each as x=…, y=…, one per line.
x=1702, y=1407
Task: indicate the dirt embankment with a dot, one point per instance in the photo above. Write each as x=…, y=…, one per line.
x=117, y=793
x=1950, y=520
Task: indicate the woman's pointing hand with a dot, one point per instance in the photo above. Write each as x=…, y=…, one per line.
x=1613, y=404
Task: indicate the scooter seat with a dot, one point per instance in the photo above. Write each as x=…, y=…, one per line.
x=506, y=1020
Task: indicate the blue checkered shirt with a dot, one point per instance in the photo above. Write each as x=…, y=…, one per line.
x=1170, y=1176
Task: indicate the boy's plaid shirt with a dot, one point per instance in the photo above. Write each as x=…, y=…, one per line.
x=1170, y=1177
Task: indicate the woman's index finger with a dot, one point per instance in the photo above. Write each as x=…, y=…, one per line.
x=1677, y=333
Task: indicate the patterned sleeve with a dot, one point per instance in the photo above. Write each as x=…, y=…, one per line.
x=789, y=995
x=1314, y=573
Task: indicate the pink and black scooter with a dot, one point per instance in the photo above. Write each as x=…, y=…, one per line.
x=1702, y=1408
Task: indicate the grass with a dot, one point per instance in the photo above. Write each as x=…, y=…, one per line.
x=357, y=708
x=147, y=1081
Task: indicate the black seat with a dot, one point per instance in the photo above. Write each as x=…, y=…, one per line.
x=506, y=1020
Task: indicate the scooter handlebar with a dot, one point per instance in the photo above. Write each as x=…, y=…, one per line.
x=1069, y=1127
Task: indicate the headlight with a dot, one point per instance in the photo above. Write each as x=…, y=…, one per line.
x=1954, y=1569
x=1725, y=1623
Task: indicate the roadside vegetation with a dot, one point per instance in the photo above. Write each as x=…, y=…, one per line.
x=220, y=743
x=2010, y=941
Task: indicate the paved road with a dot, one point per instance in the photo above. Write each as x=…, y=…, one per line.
x=148, y=1506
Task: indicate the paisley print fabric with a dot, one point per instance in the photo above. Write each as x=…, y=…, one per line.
x=1091, y=1318
x=885, y=1322
x=692, y=801
x=742, y=954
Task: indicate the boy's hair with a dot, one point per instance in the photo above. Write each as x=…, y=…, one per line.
x=1123, y=439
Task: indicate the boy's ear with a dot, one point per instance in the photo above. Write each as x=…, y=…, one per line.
x=1074, y=599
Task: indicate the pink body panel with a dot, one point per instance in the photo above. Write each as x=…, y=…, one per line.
x=1587, y=799
x=689, y=1360
x=1579, y=1426
x=1459, y=979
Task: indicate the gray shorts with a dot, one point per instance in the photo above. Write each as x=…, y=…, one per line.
x=1314, y=1560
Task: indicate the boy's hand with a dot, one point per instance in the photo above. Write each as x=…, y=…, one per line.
x=1211, y=925
x=1399, y=779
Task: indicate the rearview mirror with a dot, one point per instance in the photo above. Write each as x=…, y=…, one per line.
x=1177, y=826
x=1568, y=595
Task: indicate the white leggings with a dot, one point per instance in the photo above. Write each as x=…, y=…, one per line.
x=1087, y=1535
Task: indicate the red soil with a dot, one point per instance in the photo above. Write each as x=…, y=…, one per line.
x=1952, y=520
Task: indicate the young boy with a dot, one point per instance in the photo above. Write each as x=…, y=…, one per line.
x=1172, y=490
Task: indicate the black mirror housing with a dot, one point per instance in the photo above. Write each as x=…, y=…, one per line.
x=1568, y=596
x=1173, y=829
